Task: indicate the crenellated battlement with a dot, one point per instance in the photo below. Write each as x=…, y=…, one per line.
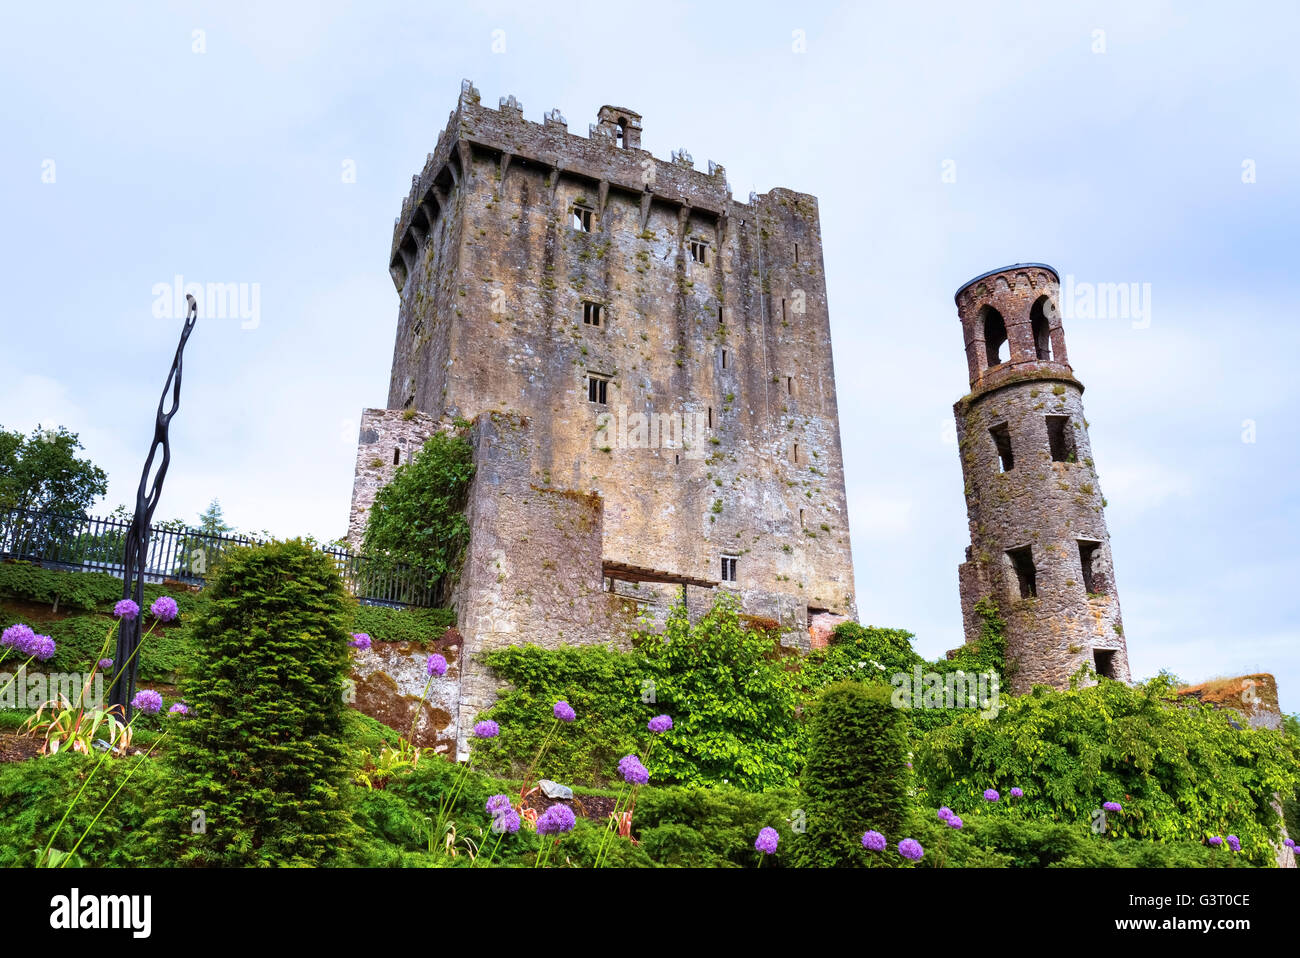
x=610, y=157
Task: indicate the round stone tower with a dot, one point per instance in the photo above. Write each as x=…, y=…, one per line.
x=1039, y=547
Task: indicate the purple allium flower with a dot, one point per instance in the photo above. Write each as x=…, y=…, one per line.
x=497, y=803
x=436, y=665
x=17, y=636
x=1115, y=807
x=164, y=609
x=556, y=819
x=945, y=813
x=766, y=841
x=954, y=822
x=660, y=723
x=105, y=663
x=911, y=849
x=1215, y=841
x=360, y=640
x=179, y=708
x=874, y=842
x=1289, y=843
x=633, y=772
x=147, y=701
x=1234, y=843
x=505, y=822
x=990, y=795
x=126, y=609
x=487, y=729
x=564, y=711
x=1017, y=793
x=41, y=647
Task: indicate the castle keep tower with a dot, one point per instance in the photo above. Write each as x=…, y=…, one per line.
x=647, y=362
x=1039, y=546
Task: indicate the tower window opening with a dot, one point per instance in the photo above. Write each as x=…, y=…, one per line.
x=728, y=568
x=700, y=252
x=801, y=525
x=796, y=452
x=710, y=417
x=720, y=316
x=796, y=253
x=580, y=219
x=1103, y=661
x=1002, y=440
x=1022, y=562
x=620, y=133
x=597, y=388
x=1060, y=439
x=1093, y=579
x=995, y=337
x=724, y=359
x=789, y=385
x=1042, y=329
x=593, y=314
x=397, y=455
x=783, y=315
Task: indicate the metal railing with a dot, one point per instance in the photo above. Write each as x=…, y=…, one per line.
x=90, y=544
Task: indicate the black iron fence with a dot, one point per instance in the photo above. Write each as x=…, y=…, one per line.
x=89, y=544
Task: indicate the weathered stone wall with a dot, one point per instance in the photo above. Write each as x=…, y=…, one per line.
x=388, y=438
x=532, y=573
x=493, y=277
x=389, y=679
x=1044, y=506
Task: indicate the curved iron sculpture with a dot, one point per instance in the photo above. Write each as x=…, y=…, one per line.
x=137, y=538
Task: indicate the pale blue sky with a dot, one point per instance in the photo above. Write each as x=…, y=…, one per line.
x=1115, y=166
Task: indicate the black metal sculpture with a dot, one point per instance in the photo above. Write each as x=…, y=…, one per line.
x=137, y=538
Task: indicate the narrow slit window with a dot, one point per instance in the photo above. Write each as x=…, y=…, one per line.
x=801, y=525
x=724, y=359
x=796, y=253
x=789, y=385
x=580, y=219
x=597, y=389
x=720, y=316
x=795, y=454
x=1094, y=581
x=783, y=316
x=1060, y=439
x=593, y=314
x=397, y=455
x=710, y=417
x=1022, y=562
x=728, y=568
x=1002, y=440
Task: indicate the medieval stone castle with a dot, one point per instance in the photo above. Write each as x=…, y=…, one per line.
x=646, y=364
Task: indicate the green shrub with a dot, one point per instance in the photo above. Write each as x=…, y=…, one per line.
x=604, y=687
x=861, y=653
x=714, y=827
x=402, y=625
x=261, y=753
x=857, y=776
x=731, y=698
x=34, y=795
x=75, y=590
x=1178, y=768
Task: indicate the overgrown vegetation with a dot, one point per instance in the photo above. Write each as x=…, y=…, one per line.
x=418, y=516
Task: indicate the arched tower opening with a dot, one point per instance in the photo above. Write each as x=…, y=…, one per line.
x=995, y=336
x=1042, y=329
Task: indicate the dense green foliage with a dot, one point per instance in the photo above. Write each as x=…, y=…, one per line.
x=42, y=473
x=715, y=827
x=1178, y=768
x=262, y=753
x=34, y=795
x=67, y=590
x=401, y=625
x=604, y=687
x=418, y=516
x=857, y=776
x=728, y=690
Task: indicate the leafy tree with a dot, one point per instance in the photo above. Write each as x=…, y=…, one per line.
x=857, y=776
x=418, y=518
x=42, y=473
x=731, y=698
x=261, y=754
x=213, y=522
x=1178, y=768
